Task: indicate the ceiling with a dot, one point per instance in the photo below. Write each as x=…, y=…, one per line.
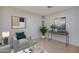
x=42, y=10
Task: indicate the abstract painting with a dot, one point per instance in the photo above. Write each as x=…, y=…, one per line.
x=18, y=22
x=60, y=23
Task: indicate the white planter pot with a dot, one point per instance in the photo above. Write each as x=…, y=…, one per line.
x=43, y=37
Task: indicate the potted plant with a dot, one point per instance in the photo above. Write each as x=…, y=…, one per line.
x=43, y=30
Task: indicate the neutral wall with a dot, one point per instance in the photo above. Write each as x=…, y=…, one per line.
x=32, y=22
x=0, y=21
x=72, y=25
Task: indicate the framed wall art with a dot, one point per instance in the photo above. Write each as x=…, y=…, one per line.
x=18, y=22
x=60, y=23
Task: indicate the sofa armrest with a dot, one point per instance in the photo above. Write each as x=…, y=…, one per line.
x=15, y=44
x=14, y=38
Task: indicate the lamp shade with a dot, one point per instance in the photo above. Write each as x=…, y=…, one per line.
x=5, y=34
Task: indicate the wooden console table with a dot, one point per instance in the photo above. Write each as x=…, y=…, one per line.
x=60, y=33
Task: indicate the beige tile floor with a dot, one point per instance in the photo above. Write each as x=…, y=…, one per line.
x=53, y=46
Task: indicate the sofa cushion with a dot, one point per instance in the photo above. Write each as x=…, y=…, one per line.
x=20, y=35
x=23, y=42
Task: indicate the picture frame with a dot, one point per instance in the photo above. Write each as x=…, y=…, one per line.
x=60, y=23
x=18, y=22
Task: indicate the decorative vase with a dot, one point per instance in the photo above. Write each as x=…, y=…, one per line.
x=43, y=37
x=55, y=30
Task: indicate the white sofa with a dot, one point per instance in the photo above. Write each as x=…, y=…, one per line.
x=5, y=49
x=20, y=44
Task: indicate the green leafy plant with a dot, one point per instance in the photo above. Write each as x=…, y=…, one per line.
x=43, y=30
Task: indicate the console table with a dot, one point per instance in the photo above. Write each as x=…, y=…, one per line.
x=65, y=33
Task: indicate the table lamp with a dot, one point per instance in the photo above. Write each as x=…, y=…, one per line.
x=5, y=36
